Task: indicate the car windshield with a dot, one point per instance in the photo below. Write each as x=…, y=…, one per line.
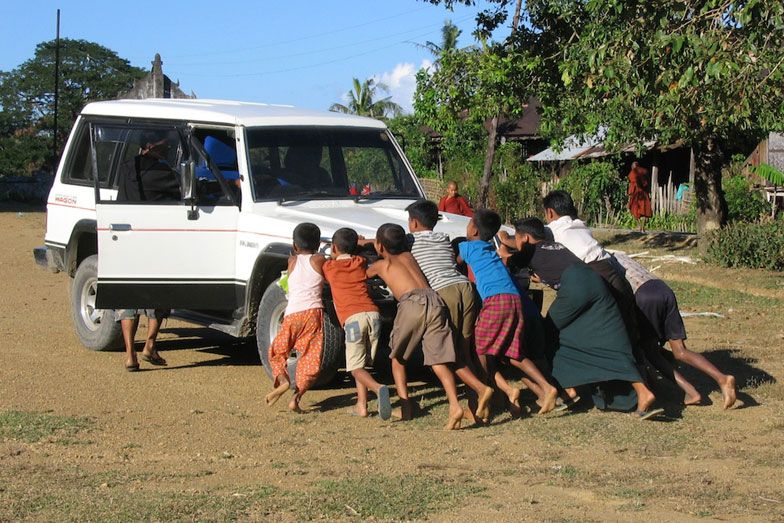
x=326, y=162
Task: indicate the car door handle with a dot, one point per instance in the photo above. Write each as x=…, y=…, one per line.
x=120, y=227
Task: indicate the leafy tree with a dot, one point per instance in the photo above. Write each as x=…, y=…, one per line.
x=88, y=72
x=363, y=102
x=476, y=85
x=706, y=73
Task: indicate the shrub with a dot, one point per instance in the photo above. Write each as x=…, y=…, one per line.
x=754, y=245
x=520, y=195
x=660, y=221
x=598, y=190
x=744, y=203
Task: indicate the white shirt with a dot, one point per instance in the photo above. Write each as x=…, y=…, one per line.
x=575, y=236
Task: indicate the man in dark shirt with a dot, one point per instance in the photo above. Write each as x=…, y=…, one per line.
x=147, y=177
x=593, y=346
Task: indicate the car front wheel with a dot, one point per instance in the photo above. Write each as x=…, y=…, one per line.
x=271, y=308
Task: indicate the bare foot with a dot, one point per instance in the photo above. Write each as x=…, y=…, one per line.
x=472, y=417
x=483, y=407
x=361, y=411
x=645, y=400
x=548, y=401
x=276, y=393
x=730, y=392
x=455, y=418
x=294, y=404
x=692, y=400
x=514, y=403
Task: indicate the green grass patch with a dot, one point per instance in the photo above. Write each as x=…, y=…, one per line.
x=694, y=296
x=46, y=493
x=35, y=426
x=385, y=498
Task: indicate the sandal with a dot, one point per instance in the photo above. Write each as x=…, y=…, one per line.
x=155, y=359
x=648, y=414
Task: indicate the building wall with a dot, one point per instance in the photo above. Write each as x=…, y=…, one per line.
x=155, y=85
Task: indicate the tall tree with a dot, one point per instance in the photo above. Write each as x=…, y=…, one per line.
x=449, y=35
x=481, y=84
x=707, y=73
x=88, y=72
x=362, y=101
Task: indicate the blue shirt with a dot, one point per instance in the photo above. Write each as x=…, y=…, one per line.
x=492, y=277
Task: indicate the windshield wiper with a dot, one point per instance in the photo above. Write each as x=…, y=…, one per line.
x=320, y=195
x=380, y=195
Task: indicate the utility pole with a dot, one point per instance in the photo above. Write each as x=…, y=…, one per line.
x=56, y=92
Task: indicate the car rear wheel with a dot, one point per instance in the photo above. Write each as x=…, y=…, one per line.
x=271, y=308
x=95, y=328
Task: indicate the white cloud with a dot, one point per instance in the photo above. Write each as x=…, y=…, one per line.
x=402, y=83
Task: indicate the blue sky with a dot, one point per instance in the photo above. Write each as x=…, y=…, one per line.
x=299, y=52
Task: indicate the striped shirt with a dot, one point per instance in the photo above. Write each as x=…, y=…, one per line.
x=434, y=254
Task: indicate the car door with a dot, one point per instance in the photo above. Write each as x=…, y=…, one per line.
x=155, y=249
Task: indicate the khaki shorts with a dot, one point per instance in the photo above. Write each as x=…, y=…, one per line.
x=461, y=301
x=422, y=320
x=132, y=314
x=362, y=331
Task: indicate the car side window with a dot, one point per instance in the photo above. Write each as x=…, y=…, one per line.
x=220, y=146
x=79, y=168
x=148, y=156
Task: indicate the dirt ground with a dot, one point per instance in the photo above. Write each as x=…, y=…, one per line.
x=81, y=439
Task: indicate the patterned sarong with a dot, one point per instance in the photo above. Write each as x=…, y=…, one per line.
x=499, y=328
x=304, y=332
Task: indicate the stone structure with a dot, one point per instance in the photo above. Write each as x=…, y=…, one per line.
x=156, y=85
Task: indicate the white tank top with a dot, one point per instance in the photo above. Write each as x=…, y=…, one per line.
x=305, y=286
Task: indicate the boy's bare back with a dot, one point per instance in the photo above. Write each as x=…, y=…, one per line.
x=400, y=272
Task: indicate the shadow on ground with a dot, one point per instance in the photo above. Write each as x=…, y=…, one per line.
x=729, y=361
x=671, y=241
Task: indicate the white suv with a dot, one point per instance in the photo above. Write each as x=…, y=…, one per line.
x=248, y=174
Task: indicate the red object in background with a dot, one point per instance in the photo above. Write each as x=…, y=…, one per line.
x=352, y=191
x=456, y=205
x=366, y=189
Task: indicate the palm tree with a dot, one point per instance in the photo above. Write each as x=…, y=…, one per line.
x=361, y=101
x=449, y=35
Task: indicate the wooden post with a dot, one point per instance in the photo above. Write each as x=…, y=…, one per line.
x=654, y=186
x=55, y=156
x=692, y=168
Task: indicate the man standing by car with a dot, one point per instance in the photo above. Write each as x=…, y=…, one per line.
x=147, y=177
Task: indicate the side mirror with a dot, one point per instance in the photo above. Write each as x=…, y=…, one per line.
x=188, y=181
x=188, y=187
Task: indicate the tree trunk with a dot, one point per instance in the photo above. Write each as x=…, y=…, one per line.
x=516, y=17
x=711, y=207
x=487, y=172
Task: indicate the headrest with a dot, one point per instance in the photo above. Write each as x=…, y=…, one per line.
x=221, y=154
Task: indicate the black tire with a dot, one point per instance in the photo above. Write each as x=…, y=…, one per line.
x=271, y=308
x=95, y=328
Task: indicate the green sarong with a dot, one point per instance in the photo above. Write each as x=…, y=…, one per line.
x=593, y=346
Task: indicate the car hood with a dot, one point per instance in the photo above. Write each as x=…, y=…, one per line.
x=364, y=216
